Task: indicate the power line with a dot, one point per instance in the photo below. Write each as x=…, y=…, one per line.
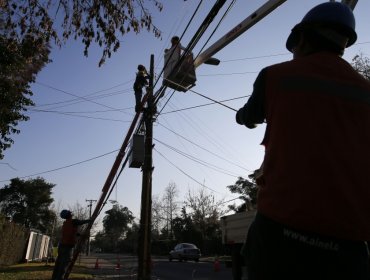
x=75, y=115
x=90, y=94
x=80, y=97
x=83, y=112
x=206, y=104
x=74, y=101
x=63, y=167
x=217, y=26
x=202, y=162
x=186, y=174
x=204, y=149
x=229, y=74
x=215, y=101
x=256, y=57
x=273, y=55
x=212, y=137
x=7, y=164
x=218, y=102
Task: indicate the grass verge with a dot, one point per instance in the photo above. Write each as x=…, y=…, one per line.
x=39, y=271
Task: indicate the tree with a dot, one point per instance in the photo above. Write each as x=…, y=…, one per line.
x=130, y=243
x=170, y=206
x=247, y=190
x=116, y=223
x=205, y=213
x=101, y=21
x=79, y=212
x=20, y=61
x=27, y=202
x=184, y=229
x=248, y=194
x=362, y=65
x=157, y=215
x=29, y=28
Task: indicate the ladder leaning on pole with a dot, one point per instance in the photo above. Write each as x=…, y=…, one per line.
x=106, y=187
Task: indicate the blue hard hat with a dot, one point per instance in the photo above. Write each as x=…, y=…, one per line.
x=65, y=214
x=334, y=15
x=141, y=67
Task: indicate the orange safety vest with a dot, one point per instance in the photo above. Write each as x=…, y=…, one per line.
x=69, y=233
x=317, y=139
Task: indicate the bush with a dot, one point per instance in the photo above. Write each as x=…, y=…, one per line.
x=13, y=241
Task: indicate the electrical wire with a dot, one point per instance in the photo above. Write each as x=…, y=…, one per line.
x=7, y=164
x=202, y=95
x=229, y=74
x=186, y=174
x=64, y=167
x=217, y=26
x=215, y=101
x=255, y=57
x=114, y=185
x=86, y=112
x=80, y=97
x=204, y=149
x=197, y=160
x=77, y=116
x=203, y=105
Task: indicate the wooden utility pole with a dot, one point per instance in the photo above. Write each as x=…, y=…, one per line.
x=144, y=254
x=90, y=201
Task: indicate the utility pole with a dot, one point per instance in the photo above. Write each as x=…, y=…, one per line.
x=144, y=254
x=90, y=201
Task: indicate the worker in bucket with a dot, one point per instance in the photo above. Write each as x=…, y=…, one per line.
x=313, y=210
x=66, y=244
x=140, y=82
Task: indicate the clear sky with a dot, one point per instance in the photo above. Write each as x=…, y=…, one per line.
x=64, y=130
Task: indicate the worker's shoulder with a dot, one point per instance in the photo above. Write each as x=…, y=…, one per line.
x=279, y=66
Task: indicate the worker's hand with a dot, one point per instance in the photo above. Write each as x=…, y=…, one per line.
x=238, y=117
x=240, y=120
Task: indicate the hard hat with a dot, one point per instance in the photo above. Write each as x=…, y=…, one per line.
x=175, y=40
x=65, y=214
x=141, y=67
x=333, y=15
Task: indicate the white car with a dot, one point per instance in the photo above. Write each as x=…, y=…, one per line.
x=185, y=251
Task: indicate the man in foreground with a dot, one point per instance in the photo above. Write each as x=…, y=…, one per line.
x=313, y=201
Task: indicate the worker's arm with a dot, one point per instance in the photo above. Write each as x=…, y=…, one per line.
x=253, y=112
x=80, y=222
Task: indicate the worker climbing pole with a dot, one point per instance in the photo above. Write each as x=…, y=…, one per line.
x=106, y=188
x=144, y=268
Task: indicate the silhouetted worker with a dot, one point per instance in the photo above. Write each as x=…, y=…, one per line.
x=66, y=244
x=313, y=210
x=140, y=82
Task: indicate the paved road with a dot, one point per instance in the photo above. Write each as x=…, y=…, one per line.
x=110, y=266
x=165, y=270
